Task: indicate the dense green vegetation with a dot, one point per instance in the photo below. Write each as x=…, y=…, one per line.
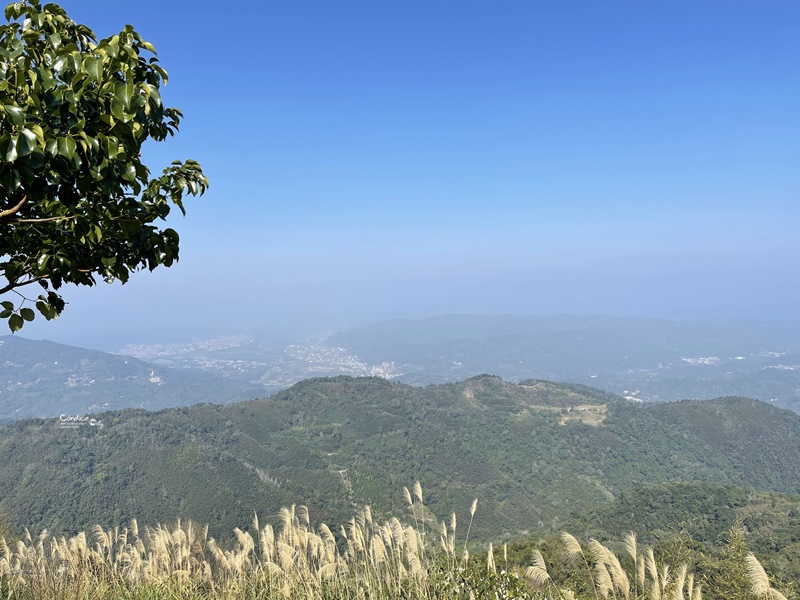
x=532, y=454
x=696, y=519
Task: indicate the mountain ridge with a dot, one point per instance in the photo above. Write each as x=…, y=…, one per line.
x=531, y=454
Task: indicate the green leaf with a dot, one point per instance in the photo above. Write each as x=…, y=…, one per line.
x=9, y=12
x=111, y=146
x=11, y=152
x=130, y=173
x=155, y=95
x=107, y=120
x=7, y=305
x=54, y=40
x=15, y=114
x=66, y=147
x=112, y=46
x=46, y=309
x=46, y=78
x=60, y=64
x=15, y=323
x=118, y=110
x=4, y=314
x=27, y=314
x=122, y=94
x=90, y=144
x=38, y=132
x=27, y=142
x=93, y=68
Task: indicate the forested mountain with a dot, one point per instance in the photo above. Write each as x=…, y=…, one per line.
x=44, y=379
x=532, y=454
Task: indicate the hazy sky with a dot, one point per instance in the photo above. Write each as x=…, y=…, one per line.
x=387, y=158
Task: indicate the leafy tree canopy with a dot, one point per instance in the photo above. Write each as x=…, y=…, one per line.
x=76, y=201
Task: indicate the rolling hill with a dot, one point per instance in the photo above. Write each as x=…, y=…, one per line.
x=532, y=454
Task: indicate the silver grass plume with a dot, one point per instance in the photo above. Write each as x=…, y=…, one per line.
x=630, y=546
x=619, y=576
x=680, y=580
x=640, y=571
x=603, y=580
x=652, y=569
x=537, y=572
x=469, y=527
x=573, y=551
x=665, y=578
x=759, y=580
x=418, y=491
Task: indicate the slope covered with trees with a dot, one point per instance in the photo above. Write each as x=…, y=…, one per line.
x=532, y=454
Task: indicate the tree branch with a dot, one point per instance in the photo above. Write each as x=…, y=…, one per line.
x=48, y=219
x=12, y=285
x=5, y=214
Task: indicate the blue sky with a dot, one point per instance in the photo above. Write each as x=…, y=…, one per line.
x=374, y=159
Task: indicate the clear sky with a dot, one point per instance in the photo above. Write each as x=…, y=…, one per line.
x=384, y=158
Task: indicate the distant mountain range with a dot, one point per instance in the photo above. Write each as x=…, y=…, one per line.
x=650, y=360
x=44, y=379
x=645, y=360
x=533, y=454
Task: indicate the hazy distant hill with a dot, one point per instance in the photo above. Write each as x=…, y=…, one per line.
x=532, y=454
x=43, y=379
x=647, y=359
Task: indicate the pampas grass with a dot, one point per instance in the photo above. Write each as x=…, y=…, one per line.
x=759, y=581
x=295, y=559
